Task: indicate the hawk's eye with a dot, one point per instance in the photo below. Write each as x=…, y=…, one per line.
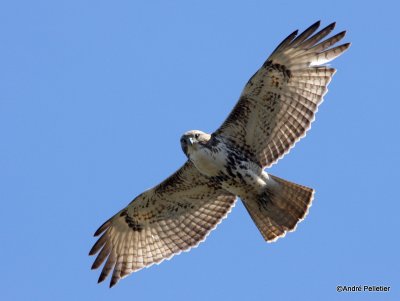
x=196, y=136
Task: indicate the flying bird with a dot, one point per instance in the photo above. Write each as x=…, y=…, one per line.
x=274, y=111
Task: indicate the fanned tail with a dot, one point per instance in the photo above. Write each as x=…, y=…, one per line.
x=279, y=208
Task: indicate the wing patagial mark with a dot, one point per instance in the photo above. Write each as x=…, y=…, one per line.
x=278, y=67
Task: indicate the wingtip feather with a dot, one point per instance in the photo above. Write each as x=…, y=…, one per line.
x=346, y=46
x=113, y=282
x=102, y=228
x=102, y=277
x=314, y=26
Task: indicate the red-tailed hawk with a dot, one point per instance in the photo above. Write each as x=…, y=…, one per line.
x=274, y=111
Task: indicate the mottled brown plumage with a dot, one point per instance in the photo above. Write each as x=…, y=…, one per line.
x=274, y=111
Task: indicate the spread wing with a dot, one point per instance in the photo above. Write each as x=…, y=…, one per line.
x=279, y=102
x=172, y=217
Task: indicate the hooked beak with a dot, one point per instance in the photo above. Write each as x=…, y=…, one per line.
x=191, y=141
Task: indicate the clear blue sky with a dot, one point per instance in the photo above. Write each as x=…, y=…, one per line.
x=94, y=96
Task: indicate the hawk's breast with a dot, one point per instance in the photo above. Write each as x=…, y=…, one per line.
x=237, y=173
x=208, y=162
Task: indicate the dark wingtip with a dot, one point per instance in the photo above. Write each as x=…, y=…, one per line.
x=99, y=244
x=342, y=33
x=94, y=266
x=313, y=26
x=316, y=24
x=93, y=250
x=101, y=278
x=291, y=36
x=102, y=228
x=113, y=282
x=347, y=45
x=332, y=25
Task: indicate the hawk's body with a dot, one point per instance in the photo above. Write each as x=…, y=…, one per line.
x=234, y=168
x=274, y=111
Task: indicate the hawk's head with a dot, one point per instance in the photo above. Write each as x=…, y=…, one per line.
x=193, y=140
